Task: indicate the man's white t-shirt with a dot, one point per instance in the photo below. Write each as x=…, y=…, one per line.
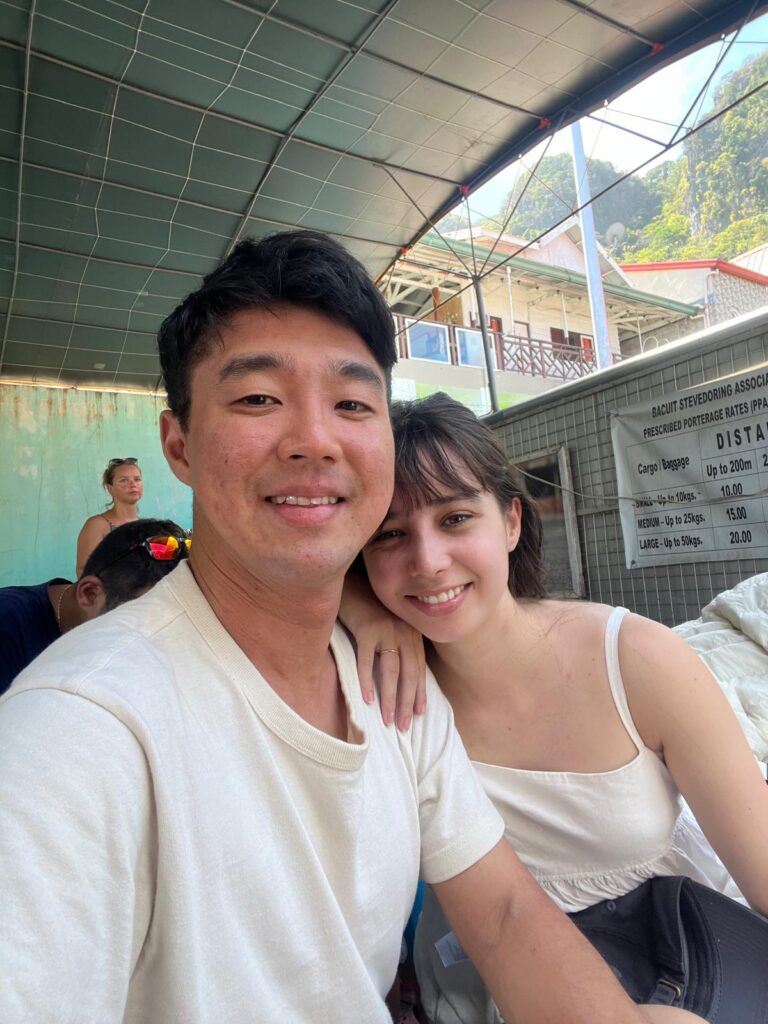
x=177, y=846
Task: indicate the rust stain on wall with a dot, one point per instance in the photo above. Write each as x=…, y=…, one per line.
x=56, y=445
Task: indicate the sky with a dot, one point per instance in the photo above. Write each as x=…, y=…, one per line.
x=663, y=97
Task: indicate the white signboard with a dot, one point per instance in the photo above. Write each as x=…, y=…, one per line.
x=693, y=473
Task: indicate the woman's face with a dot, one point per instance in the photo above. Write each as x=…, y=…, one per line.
x=126, y=486
x=444, y=567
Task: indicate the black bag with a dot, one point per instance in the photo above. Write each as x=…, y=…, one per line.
x=674, y=941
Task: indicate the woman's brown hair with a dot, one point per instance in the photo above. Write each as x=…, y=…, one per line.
x=440, y=444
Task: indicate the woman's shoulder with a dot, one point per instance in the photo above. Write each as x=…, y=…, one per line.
x=580, y=628
x=99, y=520
x=95, y=527
x=638, y=632
x=567, y=616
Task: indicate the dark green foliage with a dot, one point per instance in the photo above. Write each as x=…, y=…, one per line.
x=728, y=160
x=455, y=221
x=551, y=196
x=710, y=202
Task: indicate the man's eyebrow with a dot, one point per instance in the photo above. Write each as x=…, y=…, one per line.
x=240, y=366
x=360, y=372
x=349, y=369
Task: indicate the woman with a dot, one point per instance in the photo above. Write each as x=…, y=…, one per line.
x=122, y=482
x=586, y=724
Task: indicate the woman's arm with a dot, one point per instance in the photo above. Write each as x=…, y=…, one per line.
x=680, y=710
x=94, y=530
x=402, y=666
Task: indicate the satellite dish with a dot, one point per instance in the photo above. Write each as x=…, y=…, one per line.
x=614, y=234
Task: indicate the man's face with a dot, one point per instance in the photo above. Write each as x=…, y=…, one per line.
x=288, y=447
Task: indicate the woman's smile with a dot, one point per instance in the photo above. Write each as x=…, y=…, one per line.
x=443, y=566
x=440, y=602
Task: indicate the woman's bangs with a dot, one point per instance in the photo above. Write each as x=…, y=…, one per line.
x=426, y=472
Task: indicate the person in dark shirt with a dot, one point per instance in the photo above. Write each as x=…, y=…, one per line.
x=125, y=564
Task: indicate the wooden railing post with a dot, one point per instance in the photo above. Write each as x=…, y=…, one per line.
x=533, y=357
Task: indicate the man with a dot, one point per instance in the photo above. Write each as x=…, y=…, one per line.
x=121, y=567
x=231, y=833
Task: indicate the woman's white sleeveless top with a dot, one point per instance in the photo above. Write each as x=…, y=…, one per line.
x=591, y=837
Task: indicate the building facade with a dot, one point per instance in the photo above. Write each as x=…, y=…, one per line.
x=537, y=309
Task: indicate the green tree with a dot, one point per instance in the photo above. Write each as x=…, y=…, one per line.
x=551, y=196
x=739, y=236
x=453, y=221
x=714, y=196
x=710, y=202
x=728, y=160
x=665, y=235
x=663, y=238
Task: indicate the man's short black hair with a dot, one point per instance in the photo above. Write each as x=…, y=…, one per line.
x=297, y=268
x=125, y=568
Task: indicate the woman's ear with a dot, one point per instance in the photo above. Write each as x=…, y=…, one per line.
x=514, y=519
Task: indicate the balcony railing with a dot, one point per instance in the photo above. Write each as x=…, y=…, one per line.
x=460, y=345
x=536, y=357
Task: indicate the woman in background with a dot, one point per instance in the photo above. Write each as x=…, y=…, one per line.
x=586, y=724
x=122, y=482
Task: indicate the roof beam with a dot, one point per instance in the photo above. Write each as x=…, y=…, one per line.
x=95, y=327
x=229, y=118
x=20, y=176
x=190, y=202
x=389, y=61
x=106, y=259
x=607, y=20
x=291, y=133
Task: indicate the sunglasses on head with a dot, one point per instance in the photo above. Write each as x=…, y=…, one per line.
x=119, y=462
x=165, y=548
x=161, y=547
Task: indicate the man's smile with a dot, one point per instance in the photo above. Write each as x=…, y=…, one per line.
x=297, y=499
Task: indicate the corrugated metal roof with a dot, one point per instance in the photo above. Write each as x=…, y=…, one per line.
x=141, y=138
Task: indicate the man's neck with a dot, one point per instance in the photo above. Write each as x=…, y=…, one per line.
x=285, y=632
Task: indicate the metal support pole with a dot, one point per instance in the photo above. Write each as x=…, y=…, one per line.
x=589, y=244
x=486, y=344
x=512, y=319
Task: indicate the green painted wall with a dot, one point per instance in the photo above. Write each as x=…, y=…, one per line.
x=54, y=445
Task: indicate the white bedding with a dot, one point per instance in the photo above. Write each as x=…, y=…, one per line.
x=731, y=637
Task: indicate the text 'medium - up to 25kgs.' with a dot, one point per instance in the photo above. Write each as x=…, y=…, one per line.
x=692, y=472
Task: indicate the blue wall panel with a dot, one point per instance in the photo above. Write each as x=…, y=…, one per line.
x=54, y=445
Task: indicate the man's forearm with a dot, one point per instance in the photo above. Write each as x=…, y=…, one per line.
x=541, y=970
x=537, y=965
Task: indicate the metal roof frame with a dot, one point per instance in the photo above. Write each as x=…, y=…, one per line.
x=141, y=138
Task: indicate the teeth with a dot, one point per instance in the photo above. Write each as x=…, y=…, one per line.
x=293, y=499
x=447, y=595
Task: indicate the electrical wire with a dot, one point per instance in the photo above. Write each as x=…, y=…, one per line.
x=668, y=146
x=657, y=500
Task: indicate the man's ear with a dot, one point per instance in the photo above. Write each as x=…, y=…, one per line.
x=174, y=443
x=91, y=597
x=514, y=524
